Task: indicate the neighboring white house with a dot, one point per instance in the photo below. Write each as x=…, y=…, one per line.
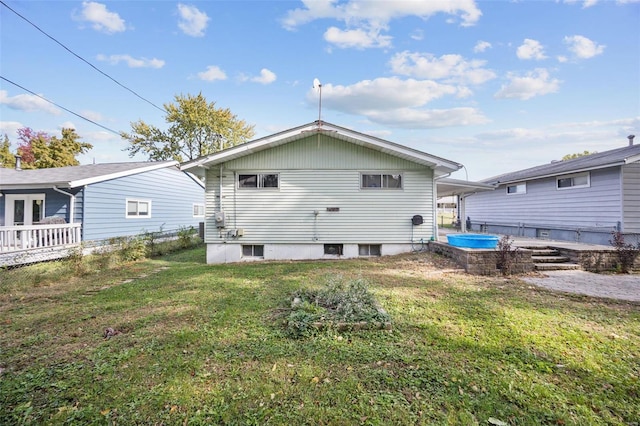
x=584, y=199
x=318, y=191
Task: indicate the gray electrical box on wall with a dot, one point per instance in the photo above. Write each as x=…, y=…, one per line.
x=219, y=218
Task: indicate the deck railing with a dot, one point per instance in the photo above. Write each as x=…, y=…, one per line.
x=13, y=238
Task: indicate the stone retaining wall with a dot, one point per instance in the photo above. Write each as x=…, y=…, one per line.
x=482, y=261
x=595, y=260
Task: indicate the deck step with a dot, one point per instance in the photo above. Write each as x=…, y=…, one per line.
x=556, y=266
x=549, y=259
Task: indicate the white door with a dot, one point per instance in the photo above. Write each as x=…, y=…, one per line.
x=23, y=209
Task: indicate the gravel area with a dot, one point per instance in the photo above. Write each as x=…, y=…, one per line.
x=622, y=287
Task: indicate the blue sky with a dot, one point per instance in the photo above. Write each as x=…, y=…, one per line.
x=495, y=85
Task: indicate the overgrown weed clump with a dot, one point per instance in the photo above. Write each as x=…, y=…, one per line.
x=338, y=303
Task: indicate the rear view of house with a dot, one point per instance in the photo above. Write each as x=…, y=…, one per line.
x=318, y=191
x=584, y=199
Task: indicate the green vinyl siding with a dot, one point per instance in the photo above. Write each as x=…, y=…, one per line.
x=287, y=215
x=321, y=152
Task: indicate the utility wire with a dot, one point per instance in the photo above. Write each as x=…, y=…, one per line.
x=83, y=60
x=60, y=106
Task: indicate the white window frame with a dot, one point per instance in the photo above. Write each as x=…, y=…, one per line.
x=521, y=188
x=138, y=201
x=382, y=181
x=259, y=181
x=254, y=248
x=572, y=177
x=197, y=208
x=377, y=249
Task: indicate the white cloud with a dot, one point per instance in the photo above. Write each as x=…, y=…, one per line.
x=417, y=35
x=266, y=77
x=429, y=118
x=28, y=103
x=534, y=83
x=396, y=102
x=357, y=38
x=131, y=61
x=582, y=47
x=192, y=21
x=364, y=20
x=100, y=18
x=450, y=68
x=10, y=128
x=531, y=49
x=585, y=3
x=212, y=73
x=92, y=115
x=481, y=46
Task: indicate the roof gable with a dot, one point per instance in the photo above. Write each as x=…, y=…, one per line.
x=615, y=157
x=75, y=176
x=440, y=165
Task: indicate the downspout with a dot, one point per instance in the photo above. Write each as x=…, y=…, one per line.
x=72, y=202
x=220, y=189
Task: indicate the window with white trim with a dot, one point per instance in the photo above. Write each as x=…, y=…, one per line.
x=380, y=180
x=579, y=180
x=198, y=210
x=517, y=188
x=369, y=249
x=258, y=181
x=252, y=250
x=138, y=208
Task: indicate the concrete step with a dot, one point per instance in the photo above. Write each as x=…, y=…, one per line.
x=549, y=259
x=544, y=252
x=556, y=266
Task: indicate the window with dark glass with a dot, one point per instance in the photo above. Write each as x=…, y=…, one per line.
x=388, y=181
x=258, y=180
x=573, y=181
x=252, y=250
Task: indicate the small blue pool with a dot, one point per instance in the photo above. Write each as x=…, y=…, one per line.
x=472, y=240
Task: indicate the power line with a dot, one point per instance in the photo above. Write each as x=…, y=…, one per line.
x=60, y=106
x=82, y=59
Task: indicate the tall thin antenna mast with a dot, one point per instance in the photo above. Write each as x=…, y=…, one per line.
x=318, y=85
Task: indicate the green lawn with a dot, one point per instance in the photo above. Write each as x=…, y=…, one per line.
x=200, y=344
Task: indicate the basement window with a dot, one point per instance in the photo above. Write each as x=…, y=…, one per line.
x=517, y=188
x=334, y=249
x=380, y=181
x=369, y=249
x=258, y=181
x=580, y=180
x=252, y=250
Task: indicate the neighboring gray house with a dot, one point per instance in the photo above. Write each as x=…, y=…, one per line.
x=584, y=199
x=318, y=191
x=95, y=202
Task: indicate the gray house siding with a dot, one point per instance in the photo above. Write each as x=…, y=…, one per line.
x=566, y=214
x=631, y=198
x=172, y=194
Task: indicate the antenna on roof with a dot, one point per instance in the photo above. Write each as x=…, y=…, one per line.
x=318, y=85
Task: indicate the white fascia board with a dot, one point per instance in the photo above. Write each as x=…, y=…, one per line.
x=101, y=178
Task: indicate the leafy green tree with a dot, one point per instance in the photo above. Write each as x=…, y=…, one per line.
x=59, y=152
x=7, y=159
x=577, y=155
x=39, y=150
x=196, y=128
